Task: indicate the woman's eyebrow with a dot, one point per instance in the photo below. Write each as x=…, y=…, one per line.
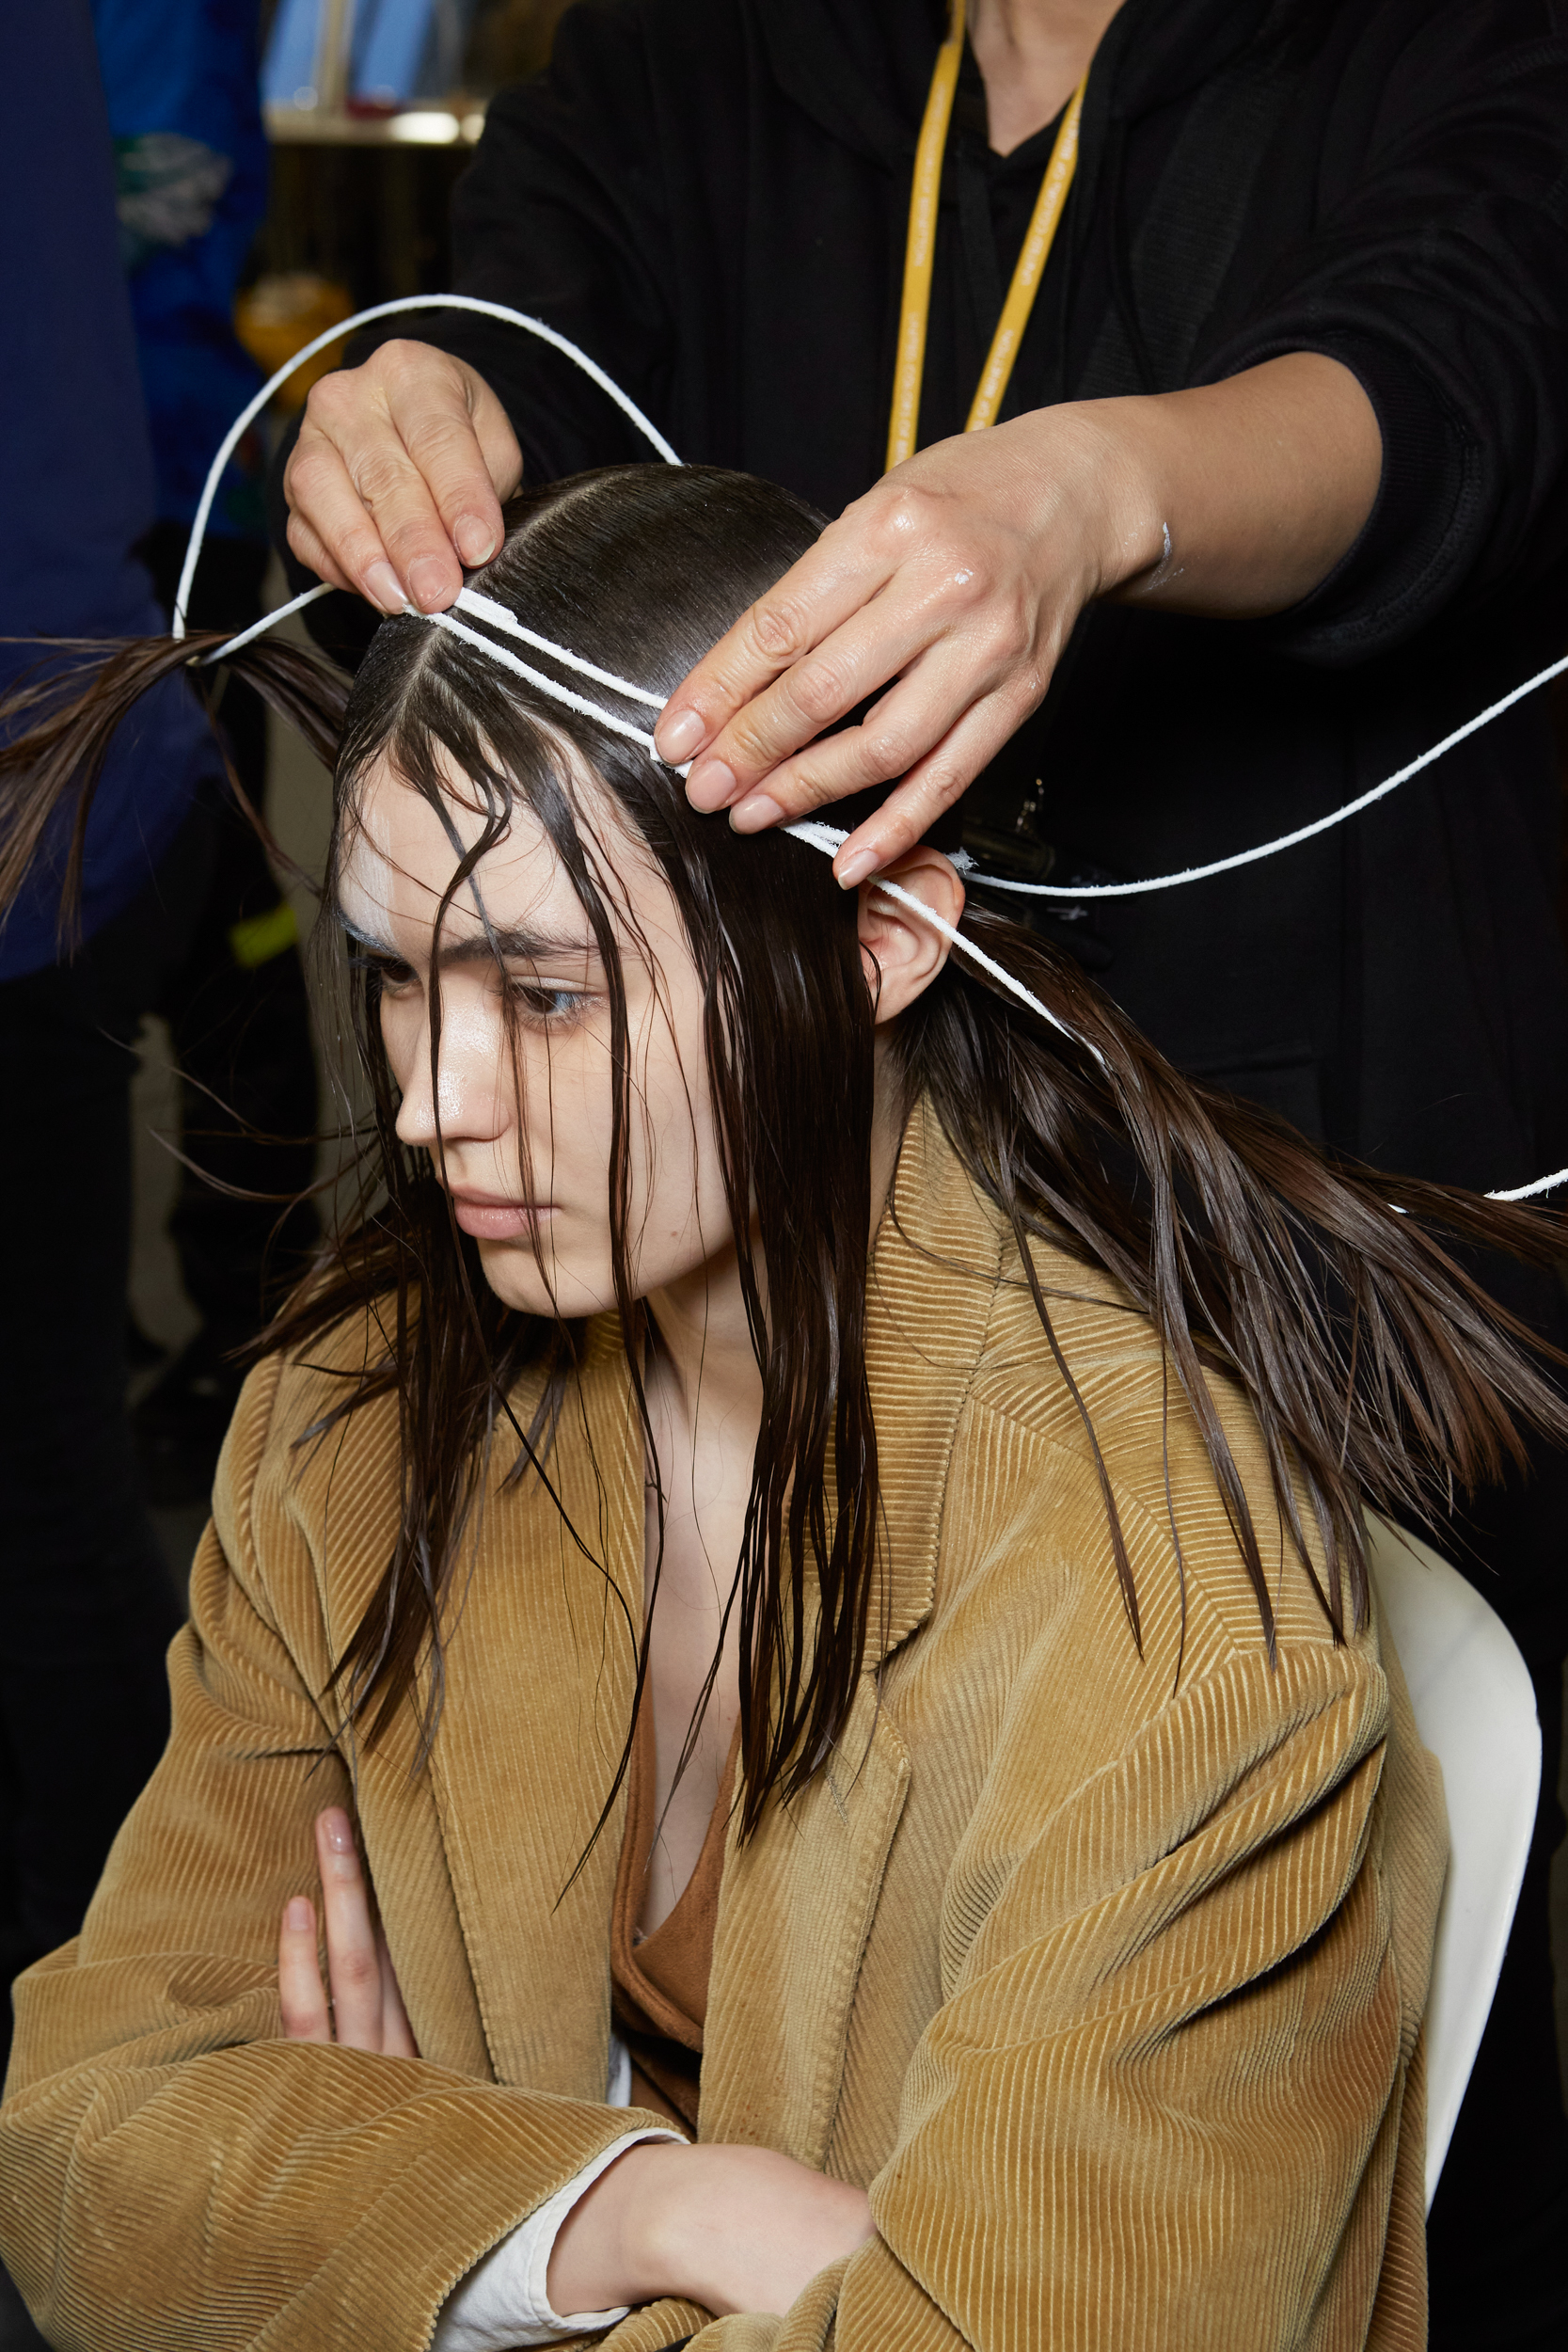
x=361, y=937
x=511, y=941
x=506, y=940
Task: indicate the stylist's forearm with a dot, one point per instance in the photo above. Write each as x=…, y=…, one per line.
x=1262, y=482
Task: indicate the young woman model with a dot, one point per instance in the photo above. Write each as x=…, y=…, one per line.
x=806, y=1549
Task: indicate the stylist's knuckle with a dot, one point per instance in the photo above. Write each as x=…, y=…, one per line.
x=445, y=444
x=751, y=744
x=377, y=474
x=401, y=364
x=822, y=688
x=335, y=401
x=890, y=746
x=906, y=517
x=778, y=628
x=310, y=468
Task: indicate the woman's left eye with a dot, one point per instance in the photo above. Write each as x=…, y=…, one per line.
x=558, y=1006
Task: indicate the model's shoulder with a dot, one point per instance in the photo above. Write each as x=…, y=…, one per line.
x=309, y=1414
x=1091, y=1328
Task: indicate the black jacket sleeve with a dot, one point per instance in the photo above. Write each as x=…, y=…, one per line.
x=1436, y=271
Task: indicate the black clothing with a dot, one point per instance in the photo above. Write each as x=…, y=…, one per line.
x=240, y=1028
x=87, y=1607
x=711, y=197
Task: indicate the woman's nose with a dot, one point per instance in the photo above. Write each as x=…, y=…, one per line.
x=465, y=1101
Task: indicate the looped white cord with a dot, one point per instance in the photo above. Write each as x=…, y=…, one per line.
x=334, y=334
x=1285, y=840
x=828, y=838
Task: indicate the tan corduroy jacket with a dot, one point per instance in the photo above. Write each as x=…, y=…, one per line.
x=1105, y=1973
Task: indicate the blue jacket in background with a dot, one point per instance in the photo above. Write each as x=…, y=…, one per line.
x=180, y=78
x=76, y=474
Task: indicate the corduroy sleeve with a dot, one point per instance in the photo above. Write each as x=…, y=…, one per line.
x=174, y=2174
x=1174, y=2053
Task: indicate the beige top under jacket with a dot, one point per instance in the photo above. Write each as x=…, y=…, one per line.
x=1103, y=1973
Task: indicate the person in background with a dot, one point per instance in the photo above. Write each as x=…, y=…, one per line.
x=86, y=1601
x=181, y=80
x=1274, y=496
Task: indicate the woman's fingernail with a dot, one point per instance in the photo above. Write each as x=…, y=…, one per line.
x=336, y=1832
x=710, y=788
x=474, y=540
x=855, y=869
x=384, y=588
x=757, y=811
x=679, y=736
x=298, y=1915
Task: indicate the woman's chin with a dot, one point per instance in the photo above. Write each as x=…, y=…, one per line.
x=560, y=1291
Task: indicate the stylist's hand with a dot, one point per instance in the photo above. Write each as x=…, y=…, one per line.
x=397, y=478
x=366, y=2010
x=958, y=577
x=948, y=592
x=733, y=2229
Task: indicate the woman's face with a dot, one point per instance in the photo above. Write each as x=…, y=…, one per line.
x=519, y=1121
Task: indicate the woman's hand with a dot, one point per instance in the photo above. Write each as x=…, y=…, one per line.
x=733, y=2229
x=949, y=590
x=397, y=478
x=366, y=2011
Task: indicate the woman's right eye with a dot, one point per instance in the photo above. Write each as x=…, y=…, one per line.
x=394, y=974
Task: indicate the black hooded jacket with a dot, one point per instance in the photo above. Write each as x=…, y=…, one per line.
x=711, y=195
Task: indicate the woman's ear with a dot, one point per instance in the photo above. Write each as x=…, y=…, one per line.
x=902, y=955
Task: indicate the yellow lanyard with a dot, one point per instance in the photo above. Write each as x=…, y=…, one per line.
x=915, y=311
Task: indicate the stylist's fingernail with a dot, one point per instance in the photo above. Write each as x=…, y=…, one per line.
x=474, y=540
x=679, y=736
x=383, y=587
x=712, y=786
x=430, y=583
x=855, y=869
x=754, y=813
x=336, y=1832
x=297, y=1915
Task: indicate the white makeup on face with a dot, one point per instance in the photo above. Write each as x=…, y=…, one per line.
x=526, y=1156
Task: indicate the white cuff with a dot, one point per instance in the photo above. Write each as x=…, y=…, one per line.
x=502, y=2304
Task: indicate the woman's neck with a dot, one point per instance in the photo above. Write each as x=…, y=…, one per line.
x=1032, y=55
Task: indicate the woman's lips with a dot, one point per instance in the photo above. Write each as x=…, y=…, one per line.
x=491, y=1219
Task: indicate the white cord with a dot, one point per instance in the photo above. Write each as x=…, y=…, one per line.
x=546, y=684
x=500, y=617
x=828, y=838
x=334, y=334
x=1286, y=840
x=259, y=629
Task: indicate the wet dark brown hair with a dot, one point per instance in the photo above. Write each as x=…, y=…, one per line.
x=1331, y=1296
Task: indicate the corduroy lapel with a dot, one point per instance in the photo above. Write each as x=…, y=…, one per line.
x=798, y=1904
x=933, y=1281
x=540, y=1668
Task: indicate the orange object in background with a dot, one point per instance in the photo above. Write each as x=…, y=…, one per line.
x=279, y=314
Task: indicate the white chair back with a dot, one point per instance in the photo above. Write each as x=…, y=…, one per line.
x=1474, y=1710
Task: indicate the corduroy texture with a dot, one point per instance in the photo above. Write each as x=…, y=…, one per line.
x=1105, y=1973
